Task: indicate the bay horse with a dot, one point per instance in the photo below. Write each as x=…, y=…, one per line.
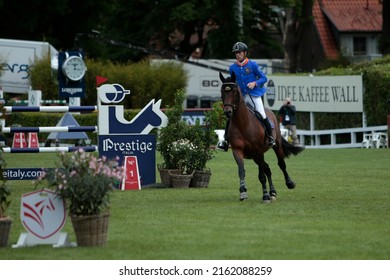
x=248, y=139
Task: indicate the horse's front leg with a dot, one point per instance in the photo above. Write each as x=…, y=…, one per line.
x=241, y=174
x=268, y=173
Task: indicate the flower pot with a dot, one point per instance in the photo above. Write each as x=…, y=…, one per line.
x=200, y=179
x=5, y=229
x=91, y=230
x=165, y=175
x=180, y=180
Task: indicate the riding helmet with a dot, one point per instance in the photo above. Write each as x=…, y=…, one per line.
x=239, y=47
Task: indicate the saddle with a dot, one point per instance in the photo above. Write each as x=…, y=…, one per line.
x=260, y=118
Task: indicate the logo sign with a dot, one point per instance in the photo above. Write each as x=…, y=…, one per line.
x=111, y=117
x=141, y=146
x=43, y=213
x=69, y=88
x=271, y=93
x=131, y=179
x=113, y=93
x=209, y=83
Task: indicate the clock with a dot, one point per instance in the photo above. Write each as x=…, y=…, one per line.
x=74, y=68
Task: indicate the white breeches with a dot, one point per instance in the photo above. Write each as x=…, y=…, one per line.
x=256, y=103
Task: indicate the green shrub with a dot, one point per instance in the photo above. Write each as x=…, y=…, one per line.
x=145, y=81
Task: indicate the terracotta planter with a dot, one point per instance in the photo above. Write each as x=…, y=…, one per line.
x=5, y=229
x=91, y=230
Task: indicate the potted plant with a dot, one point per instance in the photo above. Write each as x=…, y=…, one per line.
x=182, y=152
x=173, y=132
x=203, y=138
x=85, y=182
x=185, y=149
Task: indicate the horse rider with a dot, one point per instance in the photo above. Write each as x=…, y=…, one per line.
x=251, y=81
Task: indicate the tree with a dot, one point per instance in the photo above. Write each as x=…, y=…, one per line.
x=56, y=21
x=130, y=30
x=385, y=38
x=296, y=21
x=305, y=34
x=174, y=29
x=260, y=28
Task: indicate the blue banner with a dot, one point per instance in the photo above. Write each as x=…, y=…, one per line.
x=143, y=146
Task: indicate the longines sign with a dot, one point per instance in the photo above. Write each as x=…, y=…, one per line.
x=316, y=93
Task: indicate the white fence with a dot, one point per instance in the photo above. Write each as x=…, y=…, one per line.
x=312, y=138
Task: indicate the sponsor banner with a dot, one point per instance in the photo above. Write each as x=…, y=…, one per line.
x=192, y=116
x=143, y=146
x=69, y=88
x=316, y=93
x=23, y=173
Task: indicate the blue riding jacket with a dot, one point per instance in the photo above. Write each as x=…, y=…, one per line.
x=247, y=73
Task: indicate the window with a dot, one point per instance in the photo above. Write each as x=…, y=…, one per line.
x=359, y=46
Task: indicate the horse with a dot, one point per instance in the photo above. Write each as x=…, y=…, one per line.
x=248, y=139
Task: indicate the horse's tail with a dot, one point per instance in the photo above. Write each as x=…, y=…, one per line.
x=289, y=149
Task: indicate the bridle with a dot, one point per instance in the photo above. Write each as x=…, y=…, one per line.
x=227, y=88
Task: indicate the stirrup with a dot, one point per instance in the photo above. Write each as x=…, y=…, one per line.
x=223, y=145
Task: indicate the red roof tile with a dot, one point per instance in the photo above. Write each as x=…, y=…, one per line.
x=354, y=15
x=328, y=42
x=346, y=16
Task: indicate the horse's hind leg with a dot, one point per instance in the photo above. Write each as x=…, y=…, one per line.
x=282, y=165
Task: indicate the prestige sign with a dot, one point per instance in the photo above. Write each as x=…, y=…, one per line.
x=121, y=138
x=141, y=146
x=316, y=93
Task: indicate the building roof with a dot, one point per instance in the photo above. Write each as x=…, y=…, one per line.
x=345, y=16
x=354, y=15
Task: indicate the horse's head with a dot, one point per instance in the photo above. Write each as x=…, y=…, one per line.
x=230, y=94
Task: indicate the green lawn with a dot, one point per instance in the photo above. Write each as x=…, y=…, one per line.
x=340, y=209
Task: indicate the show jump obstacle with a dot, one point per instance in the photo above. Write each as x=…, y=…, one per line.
x=117, y=137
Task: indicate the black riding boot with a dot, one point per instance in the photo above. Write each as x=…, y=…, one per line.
x=268, y=128
x=224, y=144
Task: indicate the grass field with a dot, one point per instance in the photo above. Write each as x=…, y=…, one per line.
x=340, y=209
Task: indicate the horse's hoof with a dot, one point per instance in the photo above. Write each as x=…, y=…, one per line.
x=266, y=199
x=290, y=184
x=243, y=196
x=273, y=196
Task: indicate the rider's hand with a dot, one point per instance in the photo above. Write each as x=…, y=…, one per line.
x=251, y=85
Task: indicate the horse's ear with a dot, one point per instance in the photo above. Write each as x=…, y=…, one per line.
x=233, y=77
x=221, y=77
